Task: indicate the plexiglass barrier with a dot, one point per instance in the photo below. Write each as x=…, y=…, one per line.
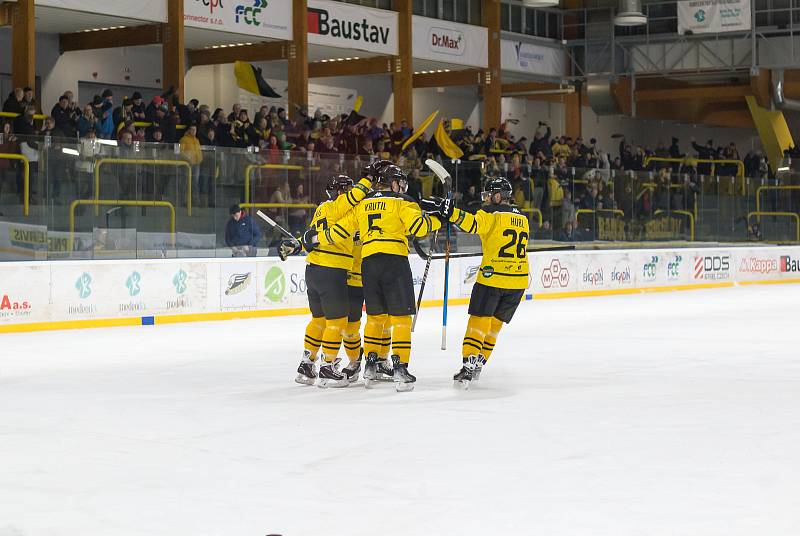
x=94, y=199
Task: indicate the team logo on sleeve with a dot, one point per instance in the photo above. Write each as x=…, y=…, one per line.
x=487, y=271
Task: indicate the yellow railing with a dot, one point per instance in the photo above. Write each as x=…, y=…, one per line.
x=122, y=203
x=614, y=211
x=683, y=213
x=782, y=214
x=763, y=188
x=173, y=163
x=26, y=194
x=37, y=117
x=535, y=211
x=248, y=171
x=689, y=160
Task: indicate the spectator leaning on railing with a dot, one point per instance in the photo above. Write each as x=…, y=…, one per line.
x=241, y=233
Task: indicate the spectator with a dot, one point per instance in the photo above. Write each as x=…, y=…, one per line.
x=242, y=234
x=138, y=109
x=298, y=218
x=568, y=233
x=191, y=151
x=24, y=124
x=15, y=103
x=123, y=114
x=8, y=167
x=105, y=119
x=86, y=121
x=65, y=118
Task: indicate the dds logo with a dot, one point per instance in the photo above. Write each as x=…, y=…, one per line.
x=712, y=267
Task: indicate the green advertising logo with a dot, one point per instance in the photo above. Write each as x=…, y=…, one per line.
x=83, y=285
x=275, y=284
x=179, y=281
x=700, y=15
x=133, y=283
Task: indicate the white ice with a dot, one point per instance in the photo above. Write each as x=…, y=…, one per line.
x=669, y=414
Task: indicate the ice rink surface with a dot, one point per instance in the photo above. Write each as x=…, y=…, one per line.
x=664, y=414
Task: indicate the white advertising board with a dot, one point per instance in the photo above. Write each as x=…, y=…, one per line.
x=343, y=25
x=525, y=57
x=149, y=10
x=32, y=292
x=450, y=42
x=713, y=16
x=256, y=18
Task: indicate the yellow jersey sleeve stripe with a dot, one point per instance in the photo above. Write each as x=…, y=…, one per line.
x=338, y=229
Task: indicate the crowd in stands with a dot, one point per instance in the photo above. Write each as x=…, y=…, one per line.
x=530, y=164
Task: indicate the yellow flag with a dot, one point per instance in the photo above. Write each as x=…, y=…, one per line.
x=420, y=130
x=446, y=144
x=456, y=124
x=357, y=105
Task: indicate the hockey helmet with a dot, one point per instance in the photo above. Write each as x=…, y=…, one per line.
x=390, y=174
x=497, y=185
x=338, y=183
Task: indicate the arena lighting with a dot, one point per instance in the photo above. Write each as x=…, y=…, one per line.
x=103, y=29
x=629, y=13
x=106, y=142
x=67, y=150
x=785, y=168
x=540, y=3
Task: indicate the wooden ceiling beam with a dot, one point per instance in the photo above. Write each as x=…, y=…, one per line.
x=465, y=77
x=132, y=36
x=715, y=92
x=268, y=51
x=361, y=66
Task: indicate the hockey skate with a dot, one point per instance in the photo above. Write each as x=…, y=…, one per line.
x=385, y=370
x=351, y=371
x=466, y=375
x=306, y=373
x=479, y=363
x=403, y=380
x=331, y=376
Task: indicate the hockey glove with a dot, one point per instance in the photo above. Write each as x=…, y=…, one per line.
x=310, y=240
x=288, y=247
x=438, y=206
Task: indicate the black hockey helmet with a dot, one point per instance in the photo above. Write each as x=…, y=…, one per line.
x=389, y=174
x=336, y=184
x=497, y=185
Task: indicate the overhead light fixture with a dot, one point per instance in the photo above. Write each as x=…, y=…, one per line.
x=540, y=3
x=101, y=141
x=629, y=13
x=67, y=150
x=784, y=168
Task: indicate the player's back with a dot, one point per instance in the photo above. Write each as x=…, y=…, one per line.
x=338, y=255
x=384, y=219
x=504, y=233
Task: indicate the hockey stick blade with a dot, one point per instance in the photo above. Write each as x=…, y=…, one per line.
x=274, y=224
x=438, y=170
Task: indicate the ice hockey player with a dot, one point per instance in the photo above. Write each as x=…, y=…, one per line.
x=503, y=274
x=383, y=219
x=327, y=272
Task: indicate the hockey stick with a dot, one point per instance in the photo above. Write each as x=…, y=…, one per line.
x=274, y=224
x=429, y=256
x=444, y=176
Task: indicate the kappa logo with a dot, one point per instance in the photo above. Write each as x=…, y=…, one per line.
x=179, y=281
x=133, y=283
x=237, y=283
x=555, y=275
x=755, y=265
x=84, y=285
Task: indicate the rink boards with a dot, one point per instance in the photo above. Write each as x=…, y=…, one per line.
x=81, y=294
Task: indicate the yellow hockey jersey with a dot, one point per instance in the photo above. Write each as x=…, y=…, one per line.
x=340, y=254
x=504, y=233
x=383, y=221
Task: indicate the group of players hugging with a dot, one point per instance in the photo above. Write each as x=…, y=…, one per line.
x=357, y=247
